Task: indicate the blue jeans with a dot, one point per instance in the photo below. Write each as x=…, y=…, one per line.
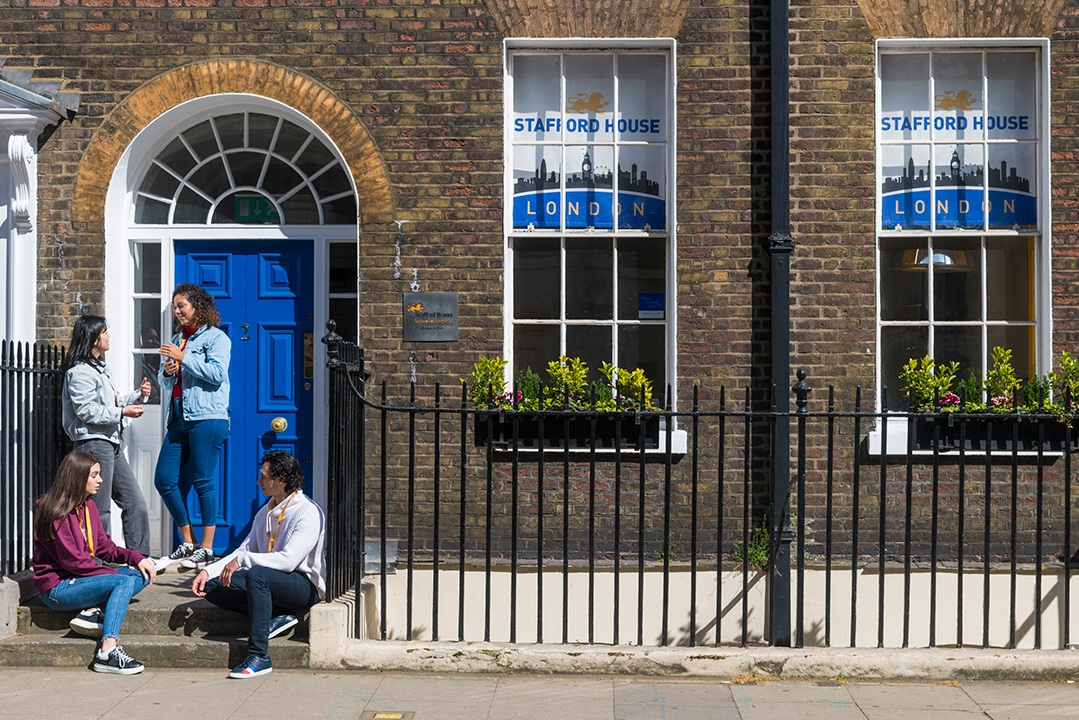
x=194, y=442
x=114, y=590
x=262, y=593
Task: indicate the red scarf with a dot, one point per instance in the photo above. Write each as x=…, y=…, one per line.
x=178, y=388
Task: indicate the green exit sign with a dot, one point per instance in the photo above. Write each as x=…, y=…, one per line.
x=255, y=208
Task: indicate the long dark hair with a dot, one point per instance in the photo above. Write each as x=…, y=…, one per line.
x=84, y=336
x=205, y=308
x=67, y=492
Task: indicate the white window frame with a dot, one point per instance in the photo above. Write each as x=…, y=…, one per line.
x=1042, y=283
x=665, y=46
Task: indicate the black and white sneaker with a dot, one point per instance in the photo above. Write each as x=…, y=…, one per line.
x=116, y=662
x=280, y=624
x=89, y=623
x=184, y=551
x=198, y=559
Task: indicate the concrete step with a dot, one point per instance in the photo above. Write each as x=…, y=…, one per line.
x=153, y=651
x=165, y=626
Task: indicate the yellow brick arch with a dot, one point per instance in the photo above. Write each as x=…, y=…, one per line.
x=212, y=77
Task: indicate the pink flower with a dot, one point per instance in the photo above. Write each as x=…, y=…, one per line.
x=949, y=400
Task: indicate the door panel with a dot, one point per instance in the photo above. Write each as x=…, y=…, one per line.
x=264, y=292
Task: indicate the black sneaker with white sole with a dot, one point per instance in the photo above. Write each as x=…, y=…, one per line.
x=89, y=623
x=199, y=559
x=116, y=662
x=184, y=551
x=281, y=624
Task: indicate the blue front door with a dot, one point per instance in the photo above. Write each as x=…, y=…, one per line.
x=264, y=291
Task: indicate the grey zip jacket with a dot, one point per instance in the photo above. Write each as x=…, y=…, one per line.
x=92, y=407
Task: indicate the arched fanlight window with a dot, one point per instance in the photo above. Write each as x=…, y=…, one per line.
x=245, y=168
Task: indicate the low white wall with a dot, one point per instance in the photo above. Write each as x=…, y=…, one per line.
x=733, y=591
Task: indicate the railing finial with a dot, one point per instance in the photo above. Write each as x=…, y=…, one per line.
x=801, y=390
x=332, y=341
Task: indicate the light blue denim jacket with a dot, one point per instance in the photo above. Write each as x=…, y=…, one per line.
x=205, y=370
x=92, y=408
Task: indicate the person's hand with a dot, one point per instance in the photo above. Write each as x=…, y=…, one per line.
x=226, y=573
x=171, y=366
x=172, y=352
x=146, y=567
x=145, y=388
x=198, y=585
x=133, y=411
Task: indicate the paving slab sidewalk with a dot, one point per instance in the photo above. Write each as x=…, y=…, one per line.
x=48, y=693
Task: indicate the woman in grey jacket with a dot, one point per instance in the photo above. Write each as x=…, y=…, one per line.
x=94, y=415
x=194, y=380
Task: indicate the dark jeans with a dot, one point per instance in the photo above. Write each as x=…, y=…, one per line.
x=197, y=442
x=118, y=483
x=262, y=593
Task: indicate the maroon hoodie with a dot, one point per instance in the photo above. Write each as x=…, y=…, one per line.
x=67, y=555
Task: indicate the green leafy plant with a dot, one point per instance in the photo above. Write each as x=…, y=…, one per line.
x=926, y=383
x=566, y=390
x=627, y=389
x=531, y=389
x=1066, y=381
x=758, y=551
x=488, y=388
x=1001, y=382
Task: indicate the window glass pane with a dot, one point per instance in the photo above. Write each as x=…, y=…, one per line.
x=201, y=139
x=342, y=268
x=957, y=95
x=905, y=177
x=1020, y=340
x=146, y=365
x=331, y=182
x=246, y=167
x=341, y=211
x=957, y=279
x=301, y=209
x=178, y=157
x=904, y=279
x=211, y=178
x=533, y=347
x=589, y=278
x=1013, y=96
x=260, y=130
x=247, y=208
x=230, y=128
x=537, y=172
x=960, y=180
x=191, y=209
x=314, y=157
x=642, y=187
x=537, y=111
x=642, y=97
x=904, y=97
x=589, y=179
x=147, y=267
x=289, y=139
x=147, y=323
x=962, y=345
x=591, y=343
x=1010, y=278
x=642, y=277
x=590, y=95
x=280, y=178
x=897, y=346
x=1012, y=186
x=159, y=181
x=343, y=312
x=645, y=347
x=536, y=279
x=151, y=212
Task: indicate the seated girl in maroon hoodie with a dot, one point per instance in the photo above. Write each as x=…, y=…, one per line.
x=69, y=547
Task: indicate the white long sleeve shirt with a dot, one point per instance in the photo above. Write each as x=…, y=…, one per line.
x=299, y=545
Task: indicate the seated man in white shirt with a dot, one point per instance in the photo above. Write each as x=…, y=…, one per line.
x=279, y=570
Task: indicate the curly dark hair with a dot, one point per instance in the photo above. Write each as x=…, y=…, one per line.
x=285, y=468
x=205, y=308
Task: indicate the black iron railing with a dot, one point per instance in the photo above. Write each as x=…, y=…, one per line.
x=904, y=526
x=32, y=442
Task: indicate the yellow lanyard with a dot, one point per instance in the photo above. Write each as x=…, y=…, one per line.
x=280, y=517
x=84, y=523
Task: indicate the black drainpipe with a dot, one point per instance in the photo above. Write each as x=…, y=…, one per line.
x=780, y=245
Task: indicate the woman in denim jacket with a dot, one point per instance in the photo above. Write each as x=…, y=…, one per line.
x=94, y=414
x=195, y=380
